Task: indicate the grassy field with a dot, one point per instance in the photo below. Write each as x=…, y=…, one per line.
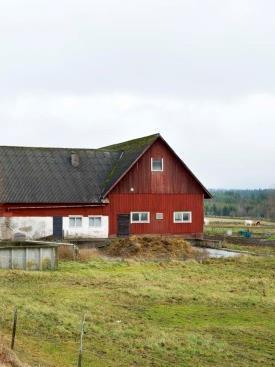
x=256, y=250
x=218, y=313
x=220, y=226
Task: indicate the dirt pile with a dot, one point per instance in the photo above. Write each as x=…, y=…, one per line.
x=151, y=248
x=8, y=358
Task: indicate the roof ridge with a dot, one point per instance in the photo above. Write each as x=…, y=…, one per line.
x=145, y=139
x=128, y=144
x=46, y=148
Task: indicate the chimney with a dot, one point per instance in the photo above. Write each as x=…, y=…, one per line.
x=75, y=160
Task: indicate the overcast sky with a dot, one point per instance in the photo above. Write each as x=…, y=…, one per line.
x=87, y=73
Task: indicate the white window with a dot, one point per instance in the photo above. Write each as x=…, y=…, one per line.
x=95, y=221
x=140, y=217
x=182, y=217
x=159, y=216
x=156, y=164
x=75, y=222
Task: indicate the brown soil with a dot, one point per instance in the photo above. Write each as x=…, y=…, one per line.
x=151, y=248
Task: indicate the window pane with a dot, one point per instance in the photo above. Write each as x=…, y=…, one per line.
x=186, y=217
x=95, y=221
x=144, y=217
x=135, y=217
x=157, y=164
x=78, y=222
x=98, y=222
x=71, y=222
x=178, y=216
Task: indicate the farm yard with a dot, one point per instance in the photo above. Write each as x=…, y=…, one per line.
x=217, y=225
x=213, y=312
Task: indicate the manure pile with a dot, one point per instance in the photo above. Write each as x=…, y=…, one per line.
x=151, y=248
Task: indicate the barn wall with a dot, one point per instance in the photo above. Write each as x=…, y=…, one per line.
x=57, y=210
x=174, y=179
x=125, y=203
x=159, y=203
x=32, y=227
x=85, y=231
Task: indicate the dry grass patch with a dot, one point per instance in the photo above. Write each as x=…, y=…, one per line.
x=87, y=254
x=8, y=357
x=67, y=252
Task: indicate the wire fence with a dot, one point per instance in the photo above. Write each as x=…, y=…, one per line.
x=80, y=339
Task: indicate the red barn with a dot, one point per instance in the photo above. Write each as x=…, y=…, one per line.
x=136, y=187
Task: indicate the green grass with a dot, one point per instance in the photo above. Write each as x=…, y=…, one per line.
x=216, y=229
x=251, y=249
x=220, y=226
x=219, y=313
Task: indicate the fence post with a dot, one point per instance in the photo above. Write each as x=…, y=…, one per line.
x=80, y=356
x=14, y=327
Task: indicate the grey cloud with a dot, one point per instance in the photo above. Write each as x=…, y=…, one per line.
x=186, y=47
x=90, y=73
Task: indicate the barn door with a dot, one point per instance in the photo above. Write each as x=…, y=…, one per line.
x=123, y=224
x=57, y=228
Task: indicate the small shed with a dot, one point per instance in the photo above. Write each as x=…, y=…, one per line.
x=28, y=255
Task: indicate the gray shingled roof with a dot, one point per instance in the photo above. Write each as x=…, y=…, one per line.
x=46, y=175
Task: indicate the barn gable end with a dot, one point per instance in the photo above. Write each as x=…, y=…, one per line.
x=175, y=177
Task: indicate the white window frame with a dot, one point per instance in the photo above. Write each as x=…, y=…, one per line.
x=183, y=221
x=157, y=170
x=140, y=221
x=74, y=217
x=95, y=216
x=159, y=216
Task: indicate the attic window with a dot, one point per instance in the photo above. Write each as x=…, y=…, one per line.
x=157, y=164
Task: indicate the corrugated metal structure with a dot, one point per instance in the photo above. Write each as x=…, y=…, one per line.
x=130, y=186
x=28, y=256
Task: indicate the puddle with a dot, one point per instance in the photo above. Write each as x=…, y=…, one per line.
x=216, y=253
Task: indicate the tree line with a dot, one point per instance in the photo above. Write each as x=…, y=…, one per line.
x=242, y=203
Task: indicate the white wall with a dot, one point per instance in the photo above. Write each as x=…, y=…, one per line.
x=39, y=227
x=85, y=231
x=32, y=227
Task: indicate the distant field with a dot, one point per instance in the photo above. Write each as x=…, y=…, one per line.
x=219, y=225
x=236, y=220
x=218, y=313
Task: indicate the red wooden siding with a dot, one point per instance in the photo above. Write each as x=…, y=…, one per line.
x=174, y=179
x=125, y=203
x=158, y=203
x=19, y=210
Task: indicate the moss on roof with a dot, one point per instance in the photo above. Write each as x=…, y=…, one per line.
x=131, y=145
x=130, y=150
